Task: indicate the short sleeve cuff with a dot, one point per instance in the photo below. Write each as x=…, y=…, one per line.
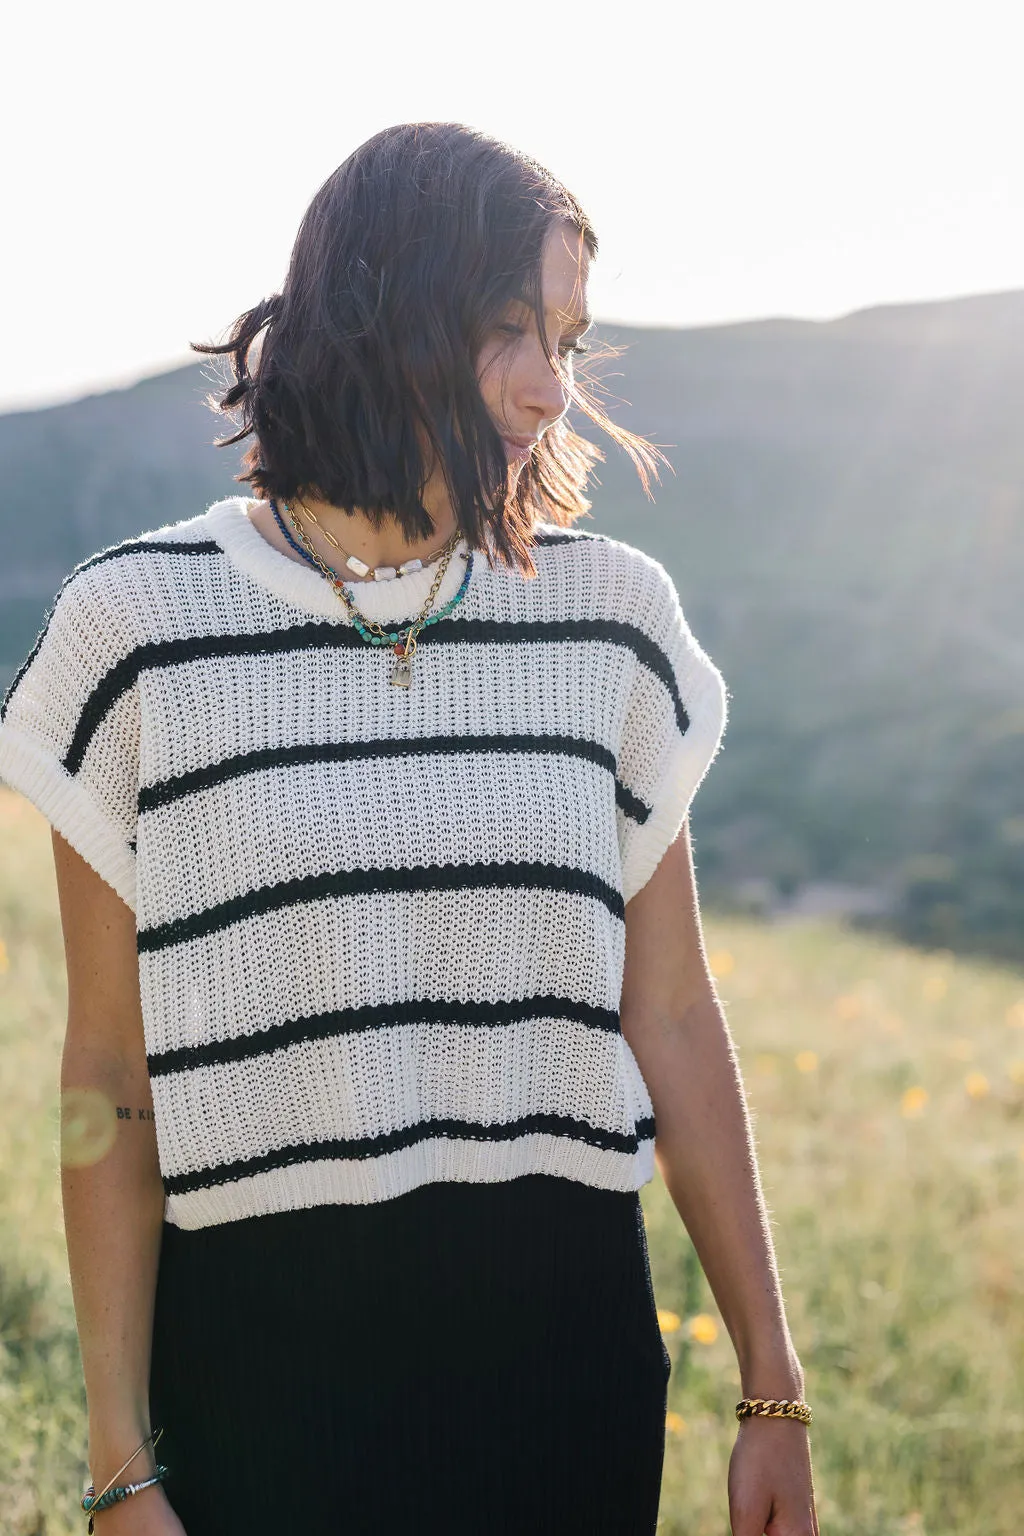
x=679, y=778
x=69, y=807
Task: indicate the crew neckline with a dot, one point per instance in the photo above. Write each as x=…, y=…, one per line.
x=399, y=600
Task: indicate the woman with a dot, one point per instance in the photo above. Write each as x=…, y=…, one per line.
x=369, y=801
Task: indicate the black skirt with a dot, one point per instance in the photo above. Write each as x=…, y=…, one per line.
x=472, y=1359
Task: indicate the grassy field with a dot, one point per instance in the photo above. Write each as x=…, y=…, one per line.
x=888, y=1094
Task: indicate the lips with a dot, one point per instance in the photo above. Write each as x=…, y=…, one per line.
x=519, y=447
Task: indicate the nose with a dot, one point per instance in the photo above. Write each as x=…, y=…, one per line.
x=543, y=394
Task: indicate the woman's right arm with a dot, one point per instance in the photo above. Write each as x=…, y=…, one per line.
x=113, y=1199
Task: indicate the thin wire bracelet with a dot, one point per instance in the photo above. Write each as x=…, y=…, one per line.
x=151, y=1436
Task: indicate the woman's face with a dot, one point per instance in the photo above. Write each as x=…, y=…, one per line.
x=521, y=390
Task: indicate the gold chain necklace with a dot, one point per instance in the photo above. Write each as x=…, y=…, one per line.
x=404, y=648
x=368, y=572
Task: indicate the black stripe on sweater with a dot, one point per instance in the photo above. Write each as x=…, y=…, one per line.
x=324, y=635
x=567, y=537
x=152, y=797
x=151, y=546
x=196, y=547
x=410, y=1136
x=129, y=547
x=353, y=1021
x=374, y=882
x=165, y=791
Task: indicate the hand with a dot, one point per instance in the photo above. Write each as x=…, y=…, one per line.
x=771, y=1490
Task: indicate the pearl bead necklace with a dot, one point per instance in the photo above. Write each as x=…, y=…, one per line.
x=360, y=567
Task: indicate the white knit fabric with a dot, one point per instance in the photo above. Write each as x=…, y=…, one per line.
x=381, y=931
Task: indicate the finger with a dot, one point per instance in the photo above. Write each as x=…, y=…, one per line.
x=793, y=1523
x=749, y=1516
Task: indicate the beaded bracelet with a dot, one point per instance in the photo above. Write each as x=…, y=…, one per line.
x=117, y=1494
x=773, y=1408
x=91, y=1502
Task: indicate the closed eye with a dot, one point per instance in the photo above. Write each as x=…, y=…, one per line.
x=566, y=349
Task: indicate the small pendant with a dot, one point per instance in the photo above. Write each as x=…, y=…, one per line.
x=401, y=672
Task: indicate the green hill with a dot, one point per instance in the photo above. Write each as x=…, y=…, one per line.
x=845, y=523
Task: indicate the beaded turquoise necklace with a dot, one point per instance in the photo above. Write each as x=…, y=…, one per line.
x=402, y=641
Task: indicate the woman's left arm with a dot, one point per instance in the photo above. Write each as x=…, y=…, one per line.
x=675, y=1026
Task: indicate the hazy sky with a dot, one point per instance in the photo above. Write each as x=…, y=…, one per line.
x=739, y=159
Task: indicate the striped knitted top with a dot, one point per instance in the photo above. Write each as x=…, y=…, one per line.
x=380, y=930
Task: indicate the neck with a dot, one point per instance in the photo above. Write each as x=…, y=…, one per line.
x=376, y=543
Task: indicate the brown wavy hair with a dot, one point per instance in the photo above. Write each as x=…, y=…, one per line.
x=405, y=260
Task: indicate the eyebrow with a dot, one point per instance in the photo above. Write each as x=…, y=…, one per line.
x=584, y=322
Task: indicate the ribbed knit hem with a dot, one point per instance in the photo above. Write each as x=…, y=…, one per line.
x=69, y=807
x=368, y=1181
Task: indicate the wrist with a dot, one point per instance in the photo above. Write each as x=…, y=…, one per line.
x=110, y=1446
x=776, y=1373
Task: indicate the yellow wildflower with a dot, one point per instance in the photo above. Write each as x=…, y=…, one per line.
x=976, y=1084
x=668, y=1322
x=703, y=1328
x=5, y=963
x=807, y=1061
x=675, y=1423
x=721, y=963
x=913, y=1102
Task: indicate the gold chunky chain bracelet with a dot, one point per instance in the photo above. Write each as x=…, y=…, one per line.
x=773, y=1408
